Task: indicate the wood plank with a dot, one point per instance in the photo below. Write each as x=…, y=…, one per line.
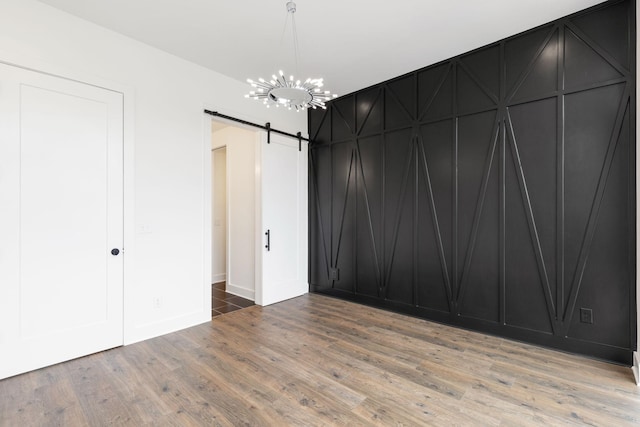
x=98, y=399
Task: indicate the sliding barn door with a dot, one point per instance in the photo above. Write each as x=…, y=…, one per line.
x=61, y=220
x=283, y=198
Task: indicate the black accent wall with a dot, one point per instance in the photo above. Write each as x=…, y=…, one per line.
x=494, y=191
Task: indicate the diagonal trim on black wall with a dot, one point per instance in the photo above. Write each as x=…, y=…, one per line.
x=396, y=222
x=488, y=165
x=371, y=234
x=436, y=225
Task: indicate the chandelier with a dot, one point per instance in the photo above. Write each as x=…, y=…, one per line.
x=290, y=93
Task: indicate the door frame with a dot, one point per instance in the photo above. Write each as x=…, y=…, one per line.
x=208, y=192
x=207, y=196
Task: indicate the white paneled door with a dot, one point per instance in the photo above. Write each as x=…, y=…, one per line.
x=283, y=253
x=61, y=220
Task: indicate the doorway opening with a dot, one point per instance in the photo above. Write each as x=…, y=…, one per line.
x=232, y=217
x=219, y=213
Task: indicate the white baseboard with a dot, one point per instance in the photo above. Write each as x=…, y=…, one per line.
x=636, y=367
x=217, y=278
x=241, y=292
x=140, y=332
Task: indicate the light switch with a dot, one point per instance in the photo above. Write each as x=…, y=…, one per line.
x=144, y=228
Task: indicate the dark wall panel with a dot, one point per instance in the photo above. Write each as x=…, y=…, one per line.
x=399, y=173
x=529, y=299
x=343, y=215
x=535, y=124
x=494, y=191
x=320, y=254
x=368, y=221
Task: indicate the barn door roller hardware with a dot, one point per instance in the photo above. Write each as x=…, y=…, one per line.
x=266, y=127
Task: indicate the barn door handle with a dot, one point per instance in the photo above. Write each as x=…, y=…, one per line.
x=115, y=251
x=268, y=245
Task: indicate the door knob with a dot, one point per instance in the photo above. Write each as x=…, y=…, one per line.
x=115, y=251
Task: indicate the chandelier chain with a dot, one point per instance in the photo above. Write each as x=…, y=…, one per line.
x=296, y=46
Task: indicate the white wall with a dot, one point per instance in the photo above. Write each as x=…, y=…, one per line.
x=219, y=215
x=241, y=175
x=167, y=156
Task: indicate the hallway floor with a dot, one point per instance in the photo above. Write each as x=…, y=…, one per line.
x=223, y=302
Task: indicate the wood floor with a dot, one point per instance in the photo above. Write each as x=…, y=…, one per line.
x=314, y=360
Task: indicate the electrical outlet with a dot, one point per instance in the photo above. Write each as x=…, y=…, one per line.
x=334, y=273
x=586, y=315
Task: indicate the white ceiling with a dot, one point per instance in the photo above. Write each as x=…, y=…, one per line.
x=351, y=43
